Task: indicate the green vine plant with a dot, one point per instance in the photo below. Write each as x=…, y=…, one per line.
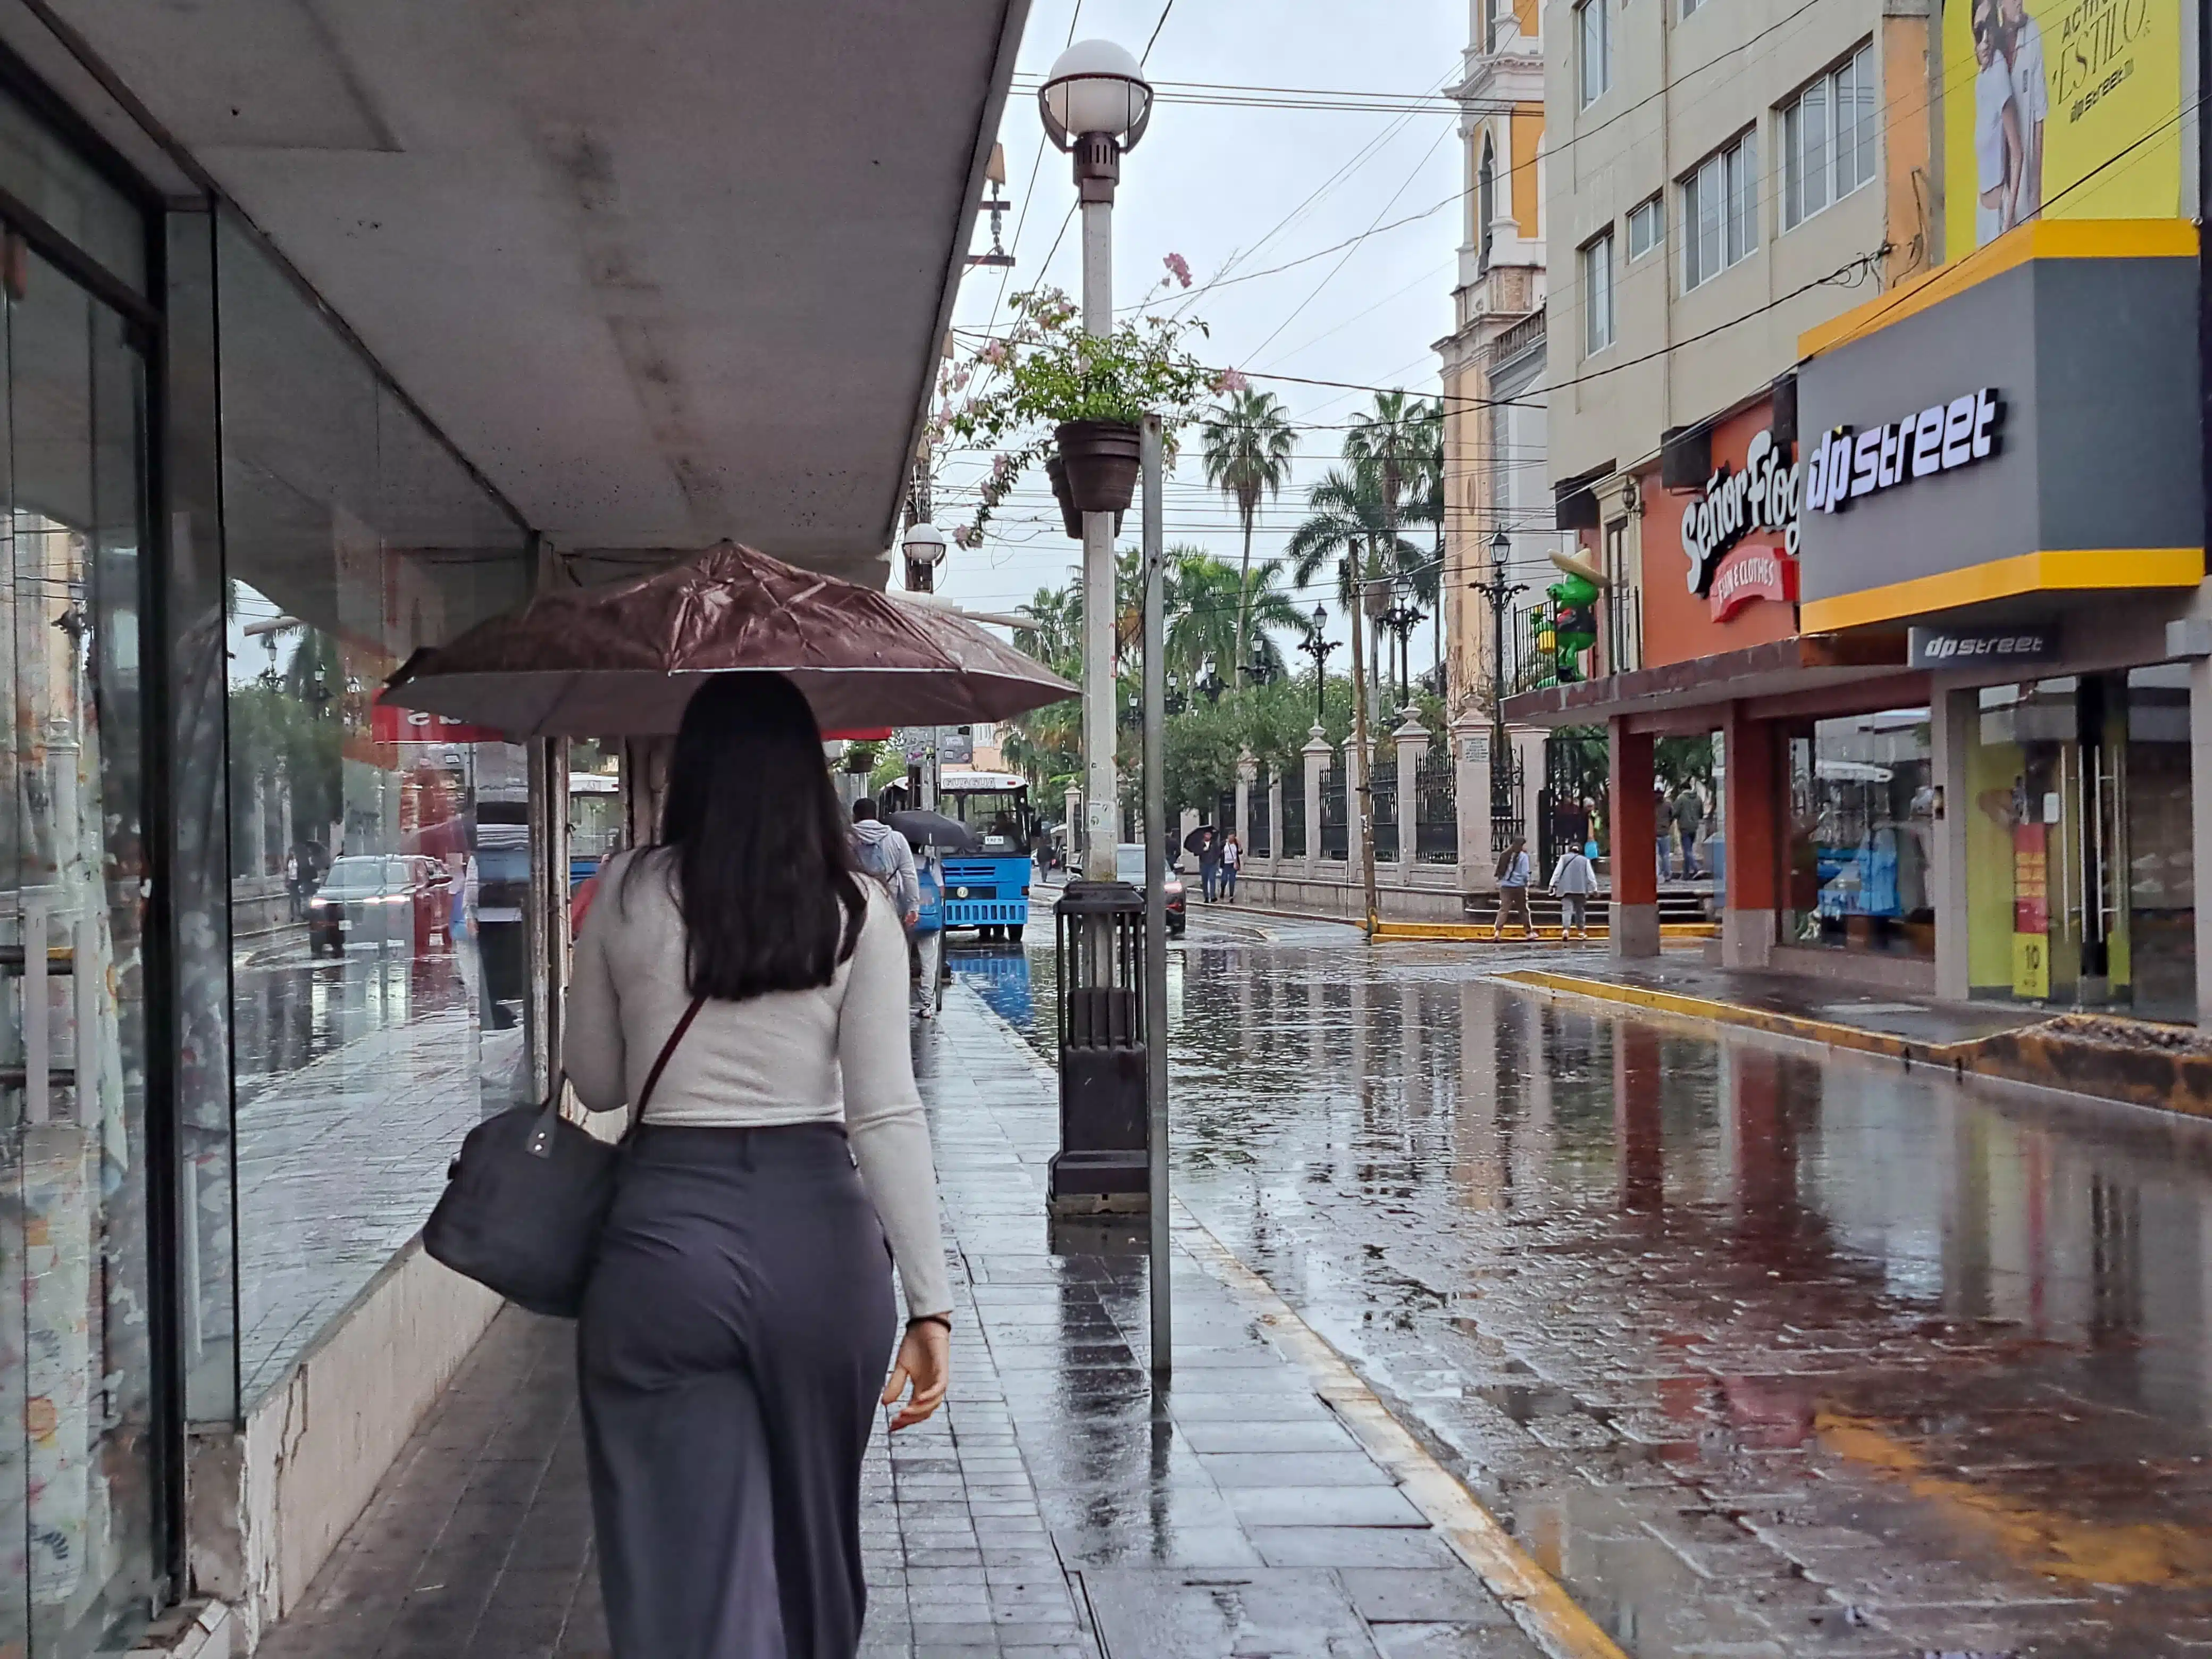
x=1045, y=370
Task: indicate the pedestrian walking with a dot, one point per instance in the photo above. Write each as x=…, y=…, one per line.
x=1232, y=855
x=1513, y=877
x=1689, y=814
x=1209, y=863
x=740, y=1316
x=882, y=853
x=1574, y=879
x=1663, y=824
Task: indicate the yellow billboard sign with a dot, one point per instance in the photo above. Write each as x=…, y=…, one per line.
x=2065, y=108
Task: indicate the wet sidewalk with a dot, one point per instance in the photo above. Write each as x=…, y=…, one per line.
x=1054, y=1508
x=1896, y=1024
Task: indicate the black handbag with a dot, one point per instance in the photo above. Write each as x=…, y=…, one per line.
x=527, y=1194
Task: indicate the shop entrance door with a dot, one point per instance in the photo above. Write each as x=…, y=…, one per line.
x=2079, y=854
x=78, y=1466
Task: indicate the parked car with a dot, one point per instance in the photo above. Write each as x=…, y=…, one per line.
x=393, y=899
x=1129, y=866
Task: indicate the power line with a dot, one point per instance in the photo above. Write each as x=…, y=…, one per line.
x=1154, y=40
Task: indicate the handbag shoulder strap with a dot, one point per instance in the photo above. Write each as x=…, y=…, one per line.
x=660, y=1064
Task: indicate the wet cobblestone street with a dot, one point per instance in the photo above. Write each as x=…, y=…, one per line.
x=1761, y=1350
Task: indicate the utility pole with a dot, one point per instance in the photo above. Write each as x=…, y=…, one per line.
x=1356, y=566
x=1156, y=901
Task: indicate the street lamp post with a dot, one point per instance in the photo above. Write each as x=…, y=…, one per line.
x=1096, y=103
x=1401, y=619
x=1318, y=648
x=1500, y=593
x=923, y=546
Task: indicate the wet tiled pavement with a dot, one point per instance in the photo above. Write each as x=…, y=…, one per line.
x=1762, y=1351
x=1054, y=1507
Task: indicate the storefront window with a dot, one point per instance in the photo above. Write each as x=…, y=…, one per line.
x=78, y=1478
x=380, y=864
x=2080, y=882
x=1862, y=811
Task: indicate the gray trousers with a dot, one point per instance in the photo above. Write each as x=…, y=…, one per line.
x=733, y=1343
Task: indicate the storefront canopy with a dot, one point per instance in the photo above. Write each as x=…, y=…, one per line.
x=667, y=272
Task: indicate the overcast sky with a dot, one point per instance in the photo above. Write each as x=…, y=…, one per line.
x=1221, y=184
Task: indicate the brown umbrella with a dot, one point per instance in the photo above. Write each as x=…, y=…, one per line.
x=624, y=660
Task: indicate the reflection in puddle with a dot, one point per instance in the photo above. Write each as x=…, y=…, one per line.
x=1744, y=1342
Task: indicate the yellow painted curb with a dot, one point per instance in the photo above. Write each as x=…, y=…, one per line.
x=1830, y=1032
x=1538, y=1603
x=1487, y=932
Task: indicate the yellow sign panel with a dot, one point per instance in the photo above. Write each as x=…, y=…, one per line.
x=2030, y=966
x=2065, y=108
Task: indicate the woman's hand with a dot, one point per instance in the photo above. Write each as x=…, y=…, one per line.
x=924, y=1363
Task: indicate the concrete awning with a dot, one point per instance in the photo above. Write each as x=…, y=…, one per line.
x=1805, y=670
x=667, y=272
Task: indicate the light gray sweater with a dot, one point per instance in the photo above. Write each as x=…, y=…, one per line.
x=836, y=1054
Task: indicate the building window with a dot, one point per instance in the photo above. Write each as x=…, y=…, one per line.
x=1486, y=202
x=1827, y=139
x=1720, y=211
x=1593, y=49
x=1597, y=295
x=1647, y=228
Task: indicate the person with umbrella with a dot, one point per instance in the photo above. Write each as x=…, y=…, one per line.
x=1202, y=841
x=740, y=1311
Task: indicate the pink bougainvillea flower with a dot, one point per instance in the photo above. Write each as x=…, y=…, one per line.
x=1230, y=380
x=993, y=352
x=1178, y=267
x=967, y=536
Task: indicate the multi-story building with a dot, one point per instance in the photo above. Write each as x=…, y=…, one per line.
x=1494, y=473
x=1952, y=717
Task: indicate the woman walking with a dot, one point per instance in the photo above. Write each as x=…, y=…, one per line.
x=1232, y=855
x=1513, y=877
x=749, y=989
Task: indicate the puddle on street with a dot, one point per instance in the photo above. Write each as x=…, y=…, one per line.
x=1745, y=1343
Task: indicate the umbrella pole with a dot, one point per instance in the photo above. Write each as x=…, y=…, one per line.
x=1156, y=908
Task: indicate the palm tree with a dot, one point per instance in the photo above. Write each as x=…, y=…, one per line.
x=1427, y=506
x=1209, y=601
x=1247, y=454
x=1349, y=517
x=1392, y=445
x=1056, y=637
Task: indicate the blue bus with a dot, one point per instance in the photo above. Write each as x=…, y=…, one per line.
x=988, y=890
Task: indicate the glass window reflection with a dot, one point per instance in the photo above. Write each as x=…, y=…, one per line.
x=379, y=867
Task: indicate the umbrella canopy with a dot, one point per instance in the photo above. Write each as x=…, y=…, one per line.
x=624, y=660
x=926, y=828
x=1196, y=840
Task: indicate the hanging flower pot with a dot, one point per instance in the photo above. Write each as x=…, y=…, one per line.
x=1070, y=519
x=1100, y=461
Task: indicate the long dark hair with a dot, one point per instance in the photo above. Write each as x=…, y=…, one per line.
x=754, y=836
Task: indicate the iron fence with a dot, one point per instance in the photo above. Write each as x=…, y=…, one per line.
x=1436, y=806
x=1506, y=825
x=1294, y=819
x=1335, y=839
x=1383, y=793
x=1262, y=840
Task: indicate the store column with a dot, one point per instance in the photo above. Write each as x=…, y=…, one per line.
x=1951, y=716
x=1634, y=927
x=2200, y=807
x=1748, y=920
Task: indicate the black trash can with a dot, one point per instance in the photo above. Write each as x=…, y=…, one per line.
x=1103, y=1167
